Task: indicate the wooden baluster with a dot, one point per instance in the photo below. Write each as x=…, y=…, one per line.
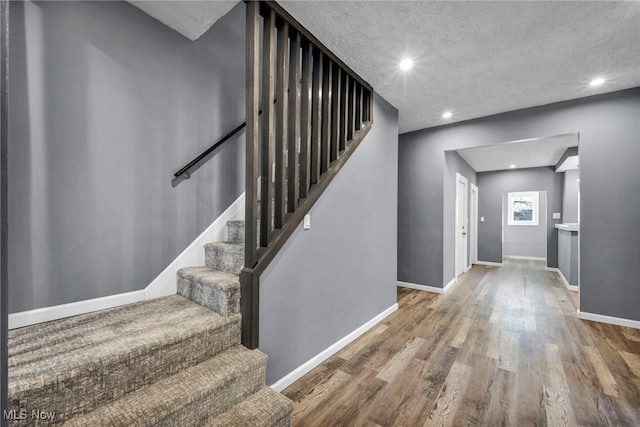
x=335, y=112
x=344, y=112
x=360, y=106
x=354, y=102
x=367, y=105
x=316, y=116
x=268, y=93
x=305, y=120
x=364, y=105
x=282, y=100
x=325, y=142
x=351, y=112
x=292, y=139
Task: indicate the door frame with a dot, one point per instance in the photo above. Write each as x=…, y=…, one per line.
x=461, y=200
x=473, y=224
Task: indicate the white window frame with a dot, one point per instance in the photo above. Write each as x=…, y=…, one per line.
x=535, y=195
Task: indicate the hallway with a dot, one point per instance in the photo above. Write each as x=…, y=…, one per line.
x=503, y=347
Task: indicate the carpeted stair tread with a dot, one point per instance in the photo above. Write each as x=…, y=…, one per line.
x=78, y=363
x=192, y=397
x=266, y=408
x=224, y=256
x=216, y=290
x=229, y=246
x=235, y=230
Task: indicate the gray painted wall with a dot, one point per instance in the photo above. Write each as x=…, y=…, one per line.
x=527, y=240
x=610, y=194
x=454, y=163
x=106, y=104
x=329, y=280
x=570, y=196
x=421, y=208
x=521, y=240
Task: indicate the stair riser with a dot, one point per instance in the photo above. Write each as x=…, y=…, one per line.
x=225, y=302
x=223, y=260
x=108, y=380
x=266, y=408
x=236, y=232
x=216, y=402
x=194, y=402
x=284, y=421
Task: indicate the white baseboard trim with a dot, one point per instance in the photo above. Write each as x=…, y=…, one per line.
x=165, y=283
x=301, y=370
x=421, y=287
x=47, y=314
x=467, y=268
x=427, y=288
x=448, y=286
x=490, y=263
x=609, y=319
x=527, y=258
x=563, y=279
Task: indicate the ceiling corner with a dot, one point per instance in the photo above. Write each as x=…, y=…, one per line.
x=189, y=18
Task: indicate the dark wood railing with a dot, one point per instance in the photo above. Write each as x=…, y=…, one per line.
x=186, y=170
x=298, y=144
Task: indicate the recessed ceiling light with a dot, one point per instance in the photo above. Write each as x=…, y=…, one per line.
x=512, y=166
x=406, y=64
x=447, y=115
x=596, y=82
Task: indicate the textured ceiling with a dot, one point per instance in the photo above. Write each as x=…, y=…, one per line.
x=524, y=154
x=475, y=58
x=191, y=18
x=479, y=58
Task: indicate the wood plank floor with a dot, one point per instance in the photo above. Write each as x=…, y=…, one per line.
x=502, y=348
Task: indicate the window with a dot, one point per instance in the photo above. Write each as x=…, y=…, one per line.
x=523, y=208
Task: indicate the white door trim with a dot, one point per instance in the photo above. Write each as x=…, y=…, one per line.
x=461, y=264
x=473, y=224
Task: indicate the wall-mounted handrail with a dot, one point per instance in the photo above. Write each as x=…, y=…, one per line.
x=184, y=172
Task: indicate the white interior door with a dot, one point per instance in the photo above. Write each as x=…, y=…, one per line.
x=461, y=223
x=473, y=224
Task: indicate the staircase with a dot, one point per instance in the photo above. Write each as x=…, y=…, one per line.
x=171, y=361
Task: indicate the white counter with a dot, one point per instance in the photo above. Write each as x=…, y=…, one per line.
x=568, y=227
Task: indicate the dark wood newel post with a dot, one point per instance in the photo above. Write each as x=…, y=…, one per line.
x=249, y=306
x=249, y=302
